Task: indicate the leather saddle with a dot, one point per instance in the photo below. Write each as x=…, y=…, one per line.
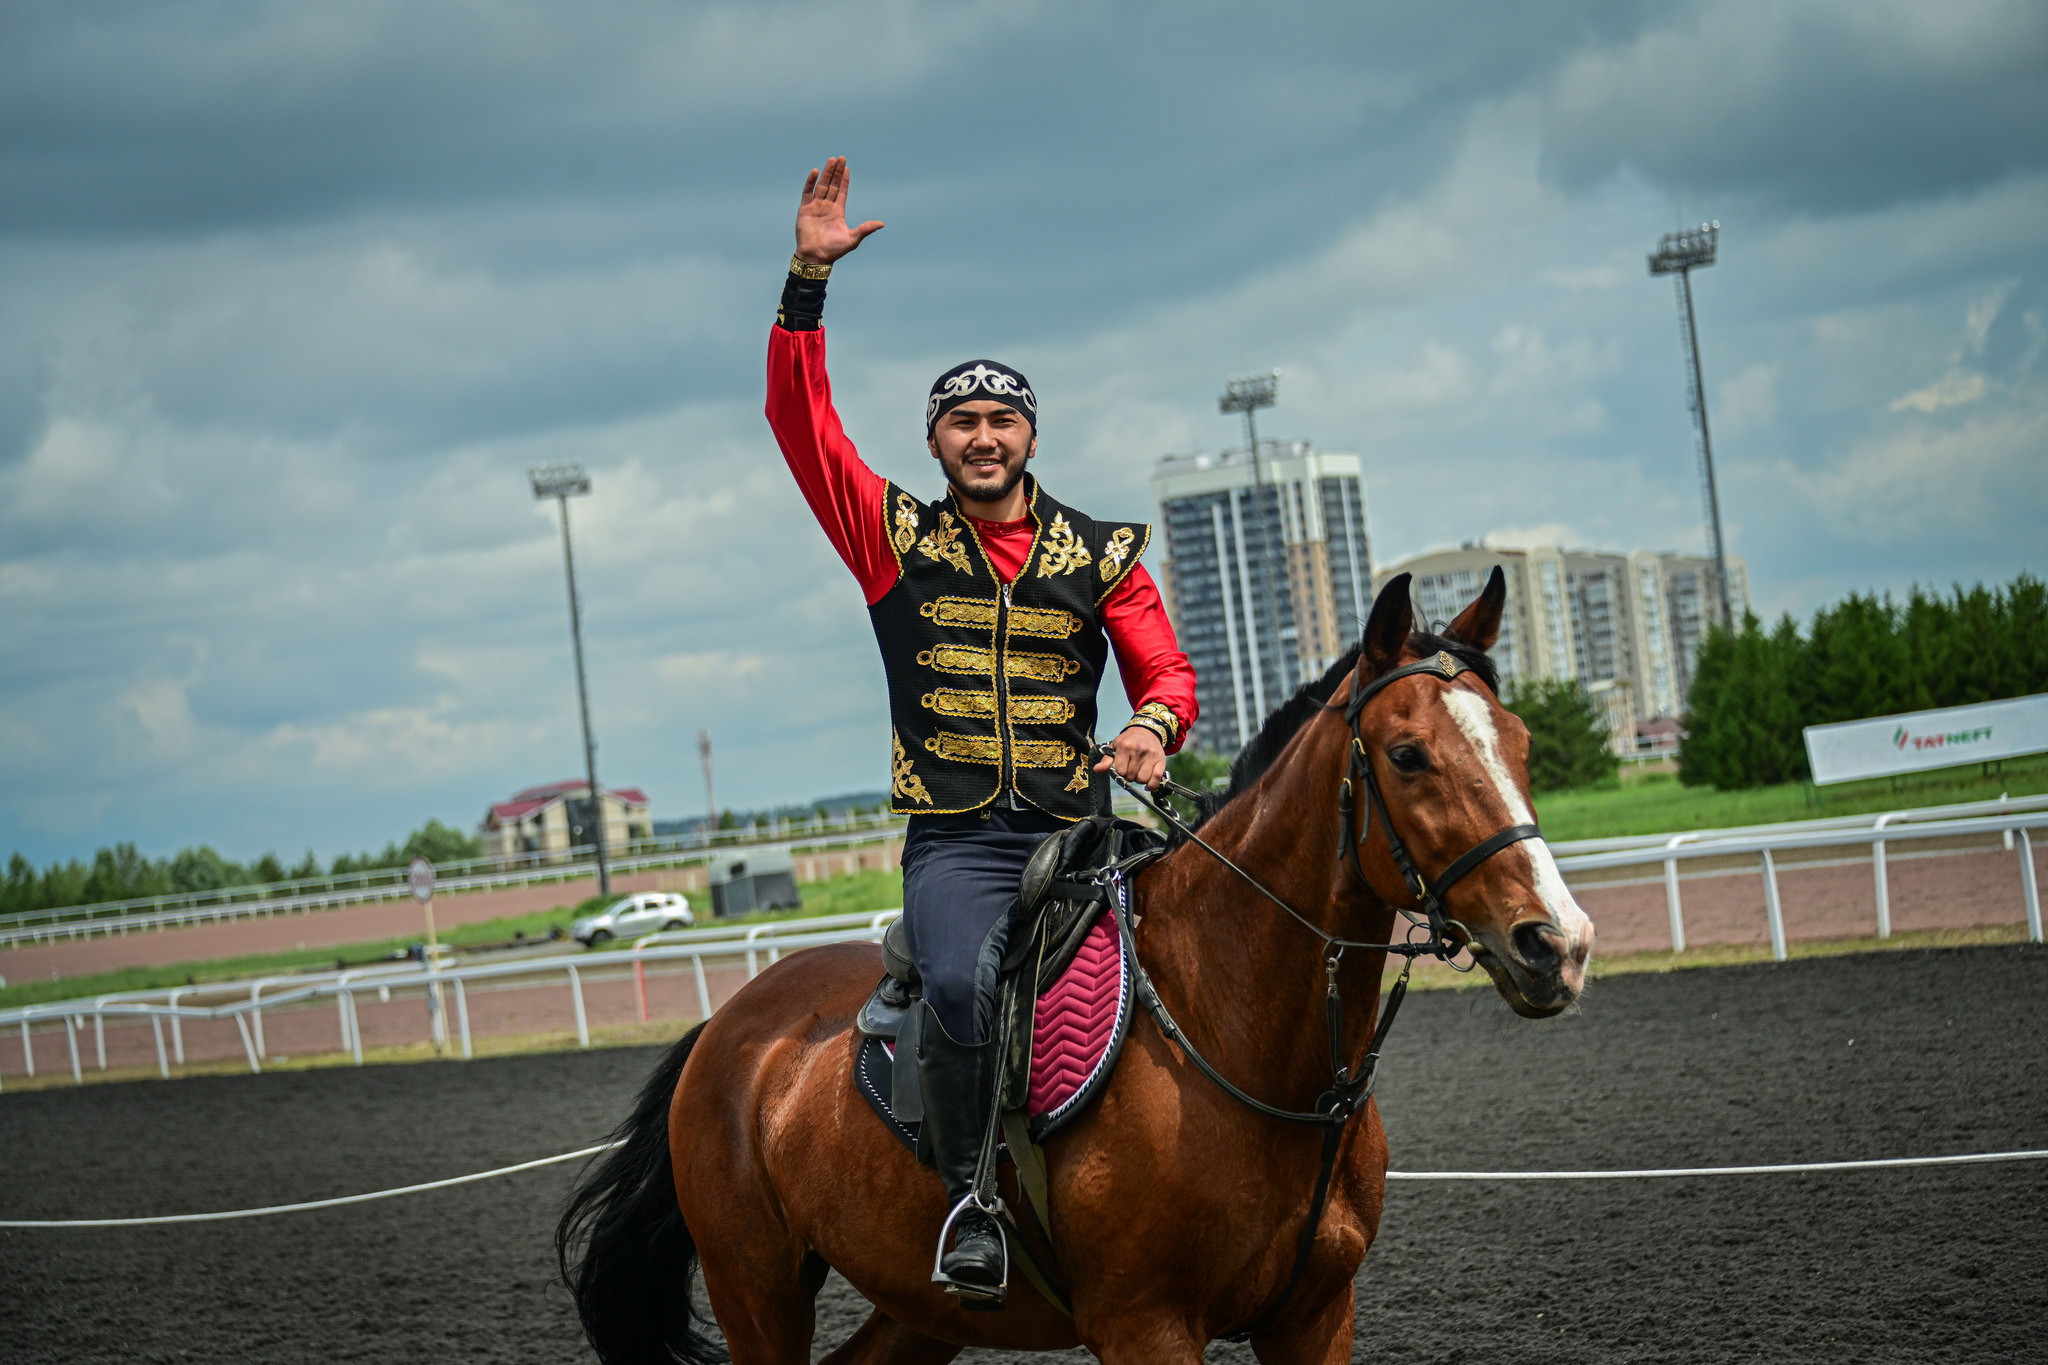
x=1059, y=901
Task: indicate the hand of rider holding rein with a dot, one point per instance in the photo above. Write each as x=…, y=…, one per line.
x=981, y=446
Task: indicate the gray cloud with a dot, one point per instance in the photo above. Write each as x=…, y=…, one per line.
x=1819, y=107
x=297, y=293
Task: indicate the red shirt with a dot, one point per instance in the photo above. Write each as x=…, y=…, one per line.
x=846, y=497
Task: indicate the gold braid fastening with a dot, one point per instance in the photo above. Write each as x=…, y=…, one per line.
x=808, y=270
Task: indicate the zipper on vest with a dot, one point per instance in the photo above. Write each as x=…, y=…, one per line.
x=1007, y=770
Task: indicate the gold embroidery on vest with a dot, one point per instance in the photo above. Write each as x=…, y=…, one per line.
x=1040, y=710
x=1063, y=551
x=1113, y=553
x=1041, y=753
x=972, y=660
x=905, y=783
x=1026, y=753
x=944, y=544
x=906, y=523
x=975, y=612
x=966, y=748
x=952, y=701
x=1047, y=623
x=1042, y=667
x=1082, y=778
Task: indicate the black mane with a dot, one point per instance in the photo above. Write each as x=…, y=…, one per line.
x=1286, y=721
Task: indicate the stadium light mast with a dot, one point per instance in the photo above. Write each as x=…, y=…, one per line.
x=563, y=482
x=1680, y=253
x=1247, y=394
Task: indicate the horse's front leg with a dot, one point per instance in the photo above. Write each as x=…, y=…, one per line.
x=1320, y=1338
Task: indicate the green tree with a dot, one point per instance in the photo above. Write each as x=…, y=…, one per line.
x=437, y=843
x=1568, y=735
x=1198, y=770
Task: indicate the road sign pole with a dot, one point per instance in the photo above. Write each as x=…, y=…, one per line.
x=420, y=877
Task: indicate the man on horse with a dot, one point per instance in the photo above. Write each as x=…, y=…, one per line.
x=994, y=608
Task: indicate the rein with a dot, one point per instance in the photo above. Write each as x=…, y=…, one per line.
x=1350, y=1086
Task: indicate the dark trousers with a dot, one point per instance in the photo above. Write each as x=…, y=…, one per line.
x=959, y=883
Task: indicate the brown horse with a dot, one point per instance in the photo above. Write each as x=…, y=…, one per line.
x=1176, y=1210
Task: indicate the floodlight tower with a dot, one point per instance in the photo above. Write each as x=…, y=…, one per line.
x=1247, y=394
x=1680, y=253
x=563, y=482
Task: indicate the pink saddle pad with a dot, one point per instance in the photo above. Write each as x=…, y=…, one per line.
x=1078, y=1022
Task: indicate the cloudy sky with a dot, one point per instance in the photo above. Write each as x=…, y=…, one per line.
x=295, y=293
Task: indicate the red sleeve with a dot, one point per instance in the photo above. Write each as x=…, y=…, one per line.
x=1153, y=667
x=844, y=494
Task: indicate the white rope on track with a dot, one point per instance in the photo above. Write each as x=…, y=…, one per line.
x=1882, y=1163
x=309, y=1204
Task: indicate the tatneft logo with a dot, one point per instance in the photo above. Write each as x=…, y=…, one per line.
x=1904, y=740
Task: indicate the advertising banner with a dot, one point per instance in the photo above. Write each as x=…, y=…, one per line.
x=1887, y=746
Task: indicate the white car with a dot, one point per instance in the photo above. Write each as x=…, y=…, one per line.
x=647, y=913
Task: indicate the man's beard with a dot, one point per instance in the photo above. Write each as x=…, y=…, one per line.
x=990, y=492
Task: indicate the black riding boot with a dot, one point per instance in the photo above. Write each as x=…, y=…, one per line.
x=955, y=1081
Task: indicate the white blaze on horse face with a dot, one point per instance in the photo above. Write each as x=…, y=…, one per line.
x=1475, y=719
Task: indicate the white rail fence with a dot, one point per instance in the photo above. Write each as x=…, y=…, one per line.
x=2013, y=822
x=434, y=980
x=170, y=912
x=1876, y=833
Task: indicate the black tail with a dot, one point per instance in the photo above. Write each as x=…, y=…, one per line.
x=632, y=1287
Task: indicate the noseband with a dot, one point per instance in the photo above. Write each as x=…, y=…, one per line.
x=1429, y=894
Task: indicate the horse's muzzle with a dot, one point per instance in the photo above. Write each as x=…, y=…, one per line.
x=1537, y=968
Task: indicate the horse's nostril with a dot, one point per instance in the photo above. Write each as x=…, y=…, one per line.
x=1539, y=945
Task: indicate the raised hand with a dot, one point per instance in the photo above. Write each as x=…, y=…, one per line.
x=822, y=234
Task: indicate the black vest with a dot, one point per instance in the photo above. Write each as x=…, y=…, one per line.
x=992, y=685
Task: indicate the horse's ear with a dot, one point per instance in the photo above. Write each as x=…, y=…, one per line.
x=1479, y=624
x=1388, y=628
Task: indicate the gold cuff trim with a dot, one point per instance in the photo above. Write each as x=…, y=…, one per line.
x=808, y=270
x=1159, y=719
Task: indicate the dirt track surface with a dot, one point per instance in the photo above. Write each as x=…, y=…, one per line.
x=1707, y=1067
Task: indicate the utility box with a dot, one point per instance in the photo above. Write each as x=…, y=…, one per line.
x=754, y=879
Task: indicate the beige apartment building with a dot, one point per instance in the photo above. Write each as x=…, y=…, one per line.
x=555, y=817
x=1610, y=620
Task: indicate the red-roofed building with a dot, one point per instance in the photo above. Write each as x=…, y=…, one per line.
x=555, y=817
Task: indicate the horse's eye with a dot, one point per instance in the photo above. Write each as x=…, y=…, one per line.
x=1407, y=758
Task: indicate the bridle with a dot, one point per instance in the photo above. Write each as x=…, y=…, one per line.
x=1429, y=894
x=1350, y=1086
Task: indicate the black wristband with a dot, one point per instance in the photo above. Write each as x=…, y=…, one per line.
x=803, y=304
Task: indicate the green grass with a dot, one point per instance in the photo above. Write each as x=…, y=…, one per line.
x=861, y=891
x=1651, y=803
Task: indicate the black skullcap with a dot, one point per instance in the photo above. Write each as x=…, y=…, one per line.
x=974, y=380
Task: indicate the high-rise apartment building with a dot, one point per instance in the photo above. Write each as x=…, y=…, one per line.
x=1267, y=574
x=1599, y=617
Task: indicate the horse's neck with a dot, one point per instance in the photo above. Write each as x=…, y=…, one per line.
x=1246, y=979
